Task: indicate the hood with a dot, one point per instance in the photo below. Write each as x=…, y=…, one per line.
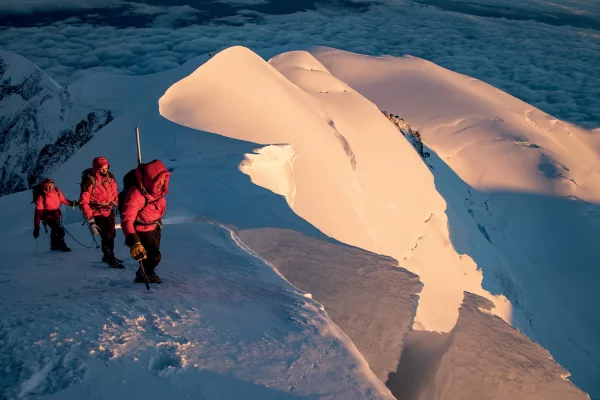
x=150, y=174
x=98, y=163
x=45, y=182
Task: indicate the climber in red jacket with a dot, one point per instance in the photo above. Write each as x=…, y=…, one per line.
x=99, y=196
x=143, y=209
x=48, y=199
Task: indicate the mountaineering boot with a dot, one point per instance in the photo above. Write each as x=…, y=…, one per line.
x=139, y=277
x=111, y=258
x=153, y=278
x=60, y=247
x=113, y=263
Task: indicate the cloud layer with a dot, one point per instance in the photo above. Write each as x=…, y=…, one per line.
x=32, y=6
x=553, y=67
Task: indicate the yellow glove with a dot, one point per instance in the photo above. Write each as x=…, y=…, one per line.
x=137, y=251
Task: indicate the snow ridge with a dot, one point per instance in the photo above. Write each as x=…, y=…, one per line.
x=40, y=126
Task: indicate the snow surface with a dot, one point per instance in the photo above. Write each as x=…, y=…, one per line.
x=366, y=295
x=226, y=324
x=522, y=190
x=355, y=177
x=482, y=358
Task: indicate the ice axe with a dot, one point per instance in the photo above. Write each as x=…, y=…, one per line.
x=139, y=155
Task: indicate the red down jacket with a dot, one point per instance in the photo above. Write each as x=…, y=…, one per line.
x=48, y=205
x=99, y=193
x=145, y=208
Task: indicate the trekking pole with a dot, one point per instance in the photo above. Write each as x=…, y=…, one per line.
x=36, y=247
x=137, y=138
x=146, y=280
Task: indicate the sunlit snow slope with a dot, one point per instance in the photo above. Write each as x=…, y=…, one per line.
x=522, y=189
x=354, y=176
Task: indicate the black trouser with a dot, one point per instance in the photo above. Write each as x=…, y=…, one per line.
x=107, y=233
x=151, y=242
x=57, y=234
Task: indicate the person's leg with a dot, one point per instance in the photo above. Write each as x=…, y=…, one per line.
x=110, y=234
x=106, y=240
x=151, y=242
x=57, y=235
x=107, y=235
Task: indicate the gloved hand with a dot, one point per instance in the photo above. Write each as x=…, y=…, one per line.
x=93, y=225
x=36, y=232
x=74, y=204
x=137, y=251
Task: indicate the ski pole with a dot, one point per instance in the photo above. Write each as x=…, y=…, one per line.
x=146, y=280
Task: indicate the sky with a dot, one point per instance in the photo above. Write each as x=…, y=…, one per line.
x=545, y=52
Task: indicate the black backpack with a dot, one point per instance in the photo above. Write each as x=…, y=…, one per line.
x=129, y=181
x=88, y=173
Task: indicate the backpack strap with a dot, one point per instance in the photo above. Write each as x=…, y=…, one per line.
x=157, y=222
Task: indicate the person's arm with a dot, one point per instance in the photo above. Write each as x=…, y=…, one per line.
x=134, y=202
x=63, y=199
x=39, y=209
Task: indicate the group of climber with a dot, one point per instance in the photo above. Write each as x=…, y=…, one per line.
x=141, y=204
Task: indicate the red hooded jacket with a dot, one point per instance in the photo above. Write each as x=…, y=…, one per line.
x=145, y=208
x=99, y=193
x=48, y=205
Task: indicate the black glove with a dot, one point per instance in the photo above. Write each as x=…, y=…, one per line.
x=36, y=232
x=93, y=225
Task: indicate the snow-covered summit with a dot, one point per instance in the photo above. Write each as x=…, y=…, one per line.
x=40, y=126
x=351, y=169
x=21, y=76
x=250, y=311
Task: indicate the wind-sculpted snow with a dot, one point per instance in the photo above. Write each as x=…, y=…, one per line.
x=369, y=190
x=366, y=295
x=481, y=358
x=522, y=189
x=225, y=323
x=273, y=168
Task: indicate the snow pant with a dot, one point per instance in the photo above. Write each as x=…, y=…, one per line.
x=151, y=242
x=57, y=234
x=107, y=234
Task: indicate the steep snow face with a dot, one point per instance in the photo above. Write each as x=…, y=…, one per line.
x=40, y=126
x=272, y=167
x=481, y=358
x=523, y=193
x=356, y=177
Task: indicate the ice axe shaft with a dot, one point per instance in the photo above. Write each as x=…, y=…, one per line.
x=139, y=150
x=146, y=280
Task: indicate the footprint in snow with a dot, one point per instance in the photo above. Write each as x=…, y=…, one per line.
x=165, y=361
